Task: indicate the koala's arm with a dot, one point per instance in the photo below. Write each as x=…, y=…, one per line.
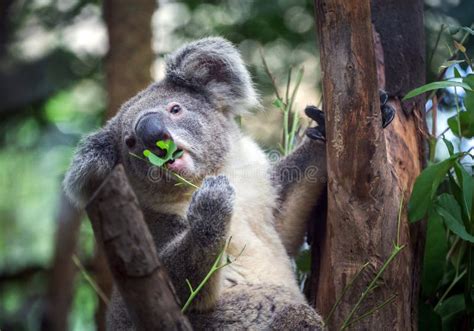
x=300, y=180
x=93, y=160
x=192, y=253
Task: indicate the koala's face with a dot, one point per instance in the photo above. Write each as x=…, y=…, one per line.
x=205, y=86
x=168, y=111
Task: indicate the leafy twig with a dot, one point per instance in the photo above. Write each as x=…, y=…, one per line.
x=344, y=291
x=215, y=267
x=396, y=250
x=373, y=310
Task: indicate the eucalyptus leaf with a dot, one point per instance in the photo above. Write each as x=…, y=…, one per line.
x=425, y=188
x=451, y=310
x=447, y=64
x=467, y=184
x=448, y=208
x=436, y=86
x=457, y=74
x=467, y=124
x=469, y=97
x=279, y=104
x=449, y=146
x=436, y=248
x=155, y=160
x=171, y=149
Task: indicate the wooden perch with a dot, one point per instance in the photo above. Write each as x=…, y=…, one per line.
x=141, y=278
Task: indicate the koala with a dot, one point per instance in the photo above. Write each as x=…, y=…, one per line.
x=263, y=206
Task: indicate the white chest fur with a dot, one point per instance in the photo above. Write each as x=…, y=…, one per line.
x=264, y=259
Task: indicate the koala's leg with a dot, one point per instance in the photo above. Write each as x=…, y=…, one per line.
x=300, y=179
x=257, y=307
x=191, y=254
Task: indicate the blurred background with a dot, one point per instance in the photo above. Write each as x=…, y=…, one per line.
x=58, y=81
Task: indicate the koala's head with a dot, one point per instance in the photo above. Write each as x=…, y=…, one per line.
x=205, y=86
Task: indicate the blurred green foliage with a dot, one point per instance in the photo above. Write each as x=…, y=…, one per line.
x=52, y=91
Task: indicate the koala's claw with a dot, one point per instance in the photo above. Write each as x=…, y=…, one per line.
x=215, y=193
x=318, y=132
x=388, y=113
x=210, y=210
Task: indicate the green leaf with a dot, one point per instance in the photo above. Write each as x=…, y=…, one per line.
x=467, y=185
x=169, y=146
x=448, y=208
x=436, y=248
x=436, y=86
x=467, y=124
x=155, y=160
x=172, y=153
x=447, y=64
x=279, y=104
x=449, y=146
x=451, y=310
x=303, y=261
x=178, y=154
x=457, y=74
x=426, y=186
x=469, y=97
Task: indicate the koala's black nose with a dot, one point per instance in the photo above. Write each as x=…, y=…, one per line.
x=150, y=129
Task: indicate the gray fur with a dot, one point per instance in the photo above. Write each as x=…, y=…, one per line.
x=300, y=179
x=215, y=65
x=209, y=81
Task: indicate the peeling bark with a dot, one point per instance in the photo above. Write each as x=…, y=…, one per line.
x=369, y=171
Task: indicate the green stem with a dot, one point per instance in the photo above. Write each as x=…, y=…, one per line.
x=89, y=279
x=214, y=268
x=195, y=292
x=458, y=111
x=454, y=282
x=373, y=310
x=290, y=135
x=436, y=45
x=396, y=250
x=344, y=291
x=183, y=180
x=269, y=73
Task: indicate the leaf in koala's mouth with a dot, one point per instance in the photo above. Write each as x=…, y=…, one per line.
x=171, y=153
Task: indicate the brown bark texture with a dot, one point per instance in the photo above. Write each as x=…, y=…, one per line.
x=128, y=63
x=127, y=68
x=130, y=55
x=370, y=169
x=141, y=278
x=62, y=274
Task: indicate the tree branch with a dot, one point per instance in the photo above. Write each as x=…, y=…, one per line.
x=141, y=278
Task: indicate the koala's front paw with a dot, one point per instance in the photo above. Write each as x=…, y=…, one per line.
x=388, y=113
x=211, y=207
x=318, y=132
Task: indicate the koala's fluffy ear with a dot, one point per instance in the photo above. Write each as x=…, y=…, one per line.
x=216, y=65
x=93, y=160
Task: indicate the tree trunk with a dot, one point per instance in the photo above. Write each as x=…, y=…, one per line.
x=61, y=277
x=119, y=227
x=370, y=169
x=130, y=56
x=128, y=70
x=128, y=66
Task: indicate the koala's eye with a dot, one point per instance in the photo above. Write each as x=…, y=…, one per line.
x=175, y=109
